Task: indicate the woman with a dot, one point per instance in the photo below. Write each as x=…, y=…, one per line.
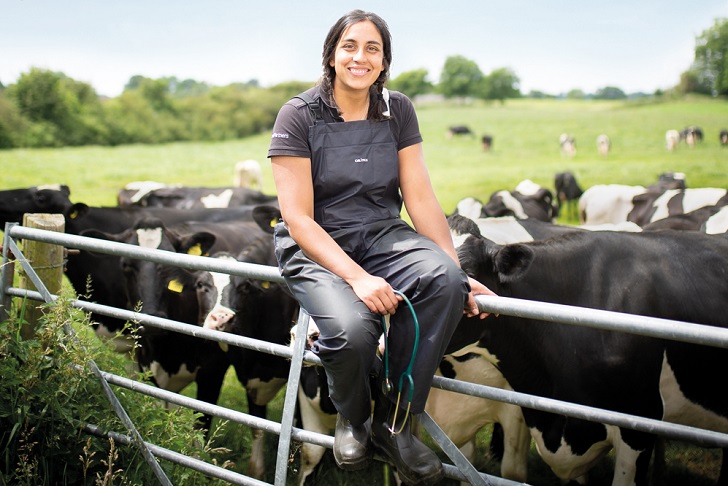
x=345, y=156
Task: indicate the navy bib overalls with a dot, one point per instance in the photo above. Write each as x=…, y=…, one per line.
x=355, y=170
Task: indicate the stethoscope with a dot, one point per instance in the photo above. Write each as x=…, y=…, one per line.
x=407, y=374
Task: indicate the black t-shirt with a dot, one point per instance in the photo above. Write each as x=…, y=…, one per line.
x=290, y=132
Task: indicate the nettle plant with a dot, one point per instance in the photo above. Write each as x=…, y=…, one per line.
x=48, y=391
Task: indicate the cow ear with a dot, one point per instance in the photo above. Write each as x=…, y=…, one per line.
x=197, y=244
x=267, y=217
x=512, y=261
x=76, y=211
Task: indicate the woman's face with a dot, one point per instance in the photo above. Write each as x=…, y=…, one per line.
x=358, y=58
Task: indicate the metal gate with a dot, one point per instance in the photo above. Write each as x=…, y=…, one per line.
x=462, y=469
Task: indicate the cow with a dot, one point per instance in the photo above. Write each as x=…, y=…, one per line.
x=458, y=130
x=487, y=142
x=648, y=209
x=98, y=277
x=667, y=274
x=14, y=203
x=567, y=192
x=255, y=309
x=615, y=203
x=183, y=197
x=696, y=220
x=672, y=139
x=691, y=135
x=248, y=174
x=528, y=200
x=568, y=145
x=723, y=138
x=603, y=145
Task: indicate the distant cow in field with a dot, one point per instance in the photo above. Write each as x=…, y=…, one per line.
x=487, y=143
x=691, y=135
x=458, y=130
x=603, y=145
x=248, y=174
x=672, y=138
x=568, y=192
x=568, y=145
x=723, y=138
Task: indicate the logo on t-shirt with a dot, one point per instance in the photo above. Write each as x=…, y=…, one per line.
x=279, y=135
x=361, y=159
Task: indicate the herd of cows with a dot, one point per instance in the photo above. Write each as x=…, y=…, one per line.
x=659, y=250
x=690, y=136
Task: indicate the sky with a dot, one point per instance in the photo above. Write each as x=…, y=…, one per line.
x=552, y=46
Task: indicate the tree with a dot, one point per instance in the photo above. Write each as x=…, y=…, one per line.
x=461, y=77
x=711, y=57
x=609, y=93
x=412, y=83
x=576, y=94
x=501, y=84
x=691, y=81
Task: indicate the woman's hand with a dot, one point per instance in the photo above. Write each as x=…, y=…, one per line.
x=471, y=307
x=376, y=293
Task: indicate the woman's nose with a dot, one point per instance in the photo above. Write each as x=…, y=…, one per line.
x=359, y=55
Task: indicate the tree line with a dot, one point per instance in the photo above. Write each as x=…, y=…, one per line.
x=49, y=109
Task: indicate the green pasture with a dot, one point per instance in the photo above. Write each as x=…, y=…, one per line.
x=525, y=146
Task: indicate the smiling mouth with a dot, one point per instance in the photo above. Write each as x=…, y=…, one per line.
x=358, y=71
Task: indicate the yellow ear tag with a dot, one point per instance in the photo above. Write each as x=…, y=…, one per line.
x=195, y=250
x=265, y=285
x=175, y=286
x=223, y=346
x=273, y=222
x=73, y=215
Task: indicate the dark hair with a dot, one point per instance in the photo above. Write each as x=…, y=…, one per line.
x=332, y=39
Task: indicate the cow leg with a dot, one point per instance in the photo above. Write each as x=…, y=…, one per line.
x=516, y=444
x=630, y=465
x=256, y=465
x=209, y=384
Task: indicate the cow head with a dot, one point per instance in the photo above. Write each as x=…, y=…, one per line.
x=15, y=203
x=494, y=265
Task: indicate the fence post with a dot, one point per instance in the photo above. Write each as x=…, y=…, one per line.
x=47, y=261
x=7, y=271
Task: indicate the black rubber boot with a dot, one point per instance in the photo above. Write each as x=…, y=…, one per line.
x=416, y=463
x=352, y=444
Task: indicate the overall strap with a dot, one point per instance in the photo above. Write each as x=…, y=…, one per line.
x=314, y=106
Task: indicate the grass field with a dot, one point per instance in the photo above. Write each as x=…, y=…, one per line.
x=525, y=146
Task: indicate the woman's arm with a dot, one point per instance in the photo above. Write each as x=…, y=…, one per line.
x=292, y=176
x=427, y=216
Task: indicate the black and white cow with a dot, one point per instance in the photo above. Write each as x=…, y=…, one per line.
x=528, y=200
x=723, y=138
x=668, y=274
x=568, y=145
x=709, y=219
x=691, y=135
x=255, y=309
x=14, y=203
x=155, y=195
x=674, y=202
x=615, y=203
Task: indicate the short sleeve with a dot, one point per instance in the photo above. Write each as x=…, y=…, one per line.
x=290, y=131
x=405, y=119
